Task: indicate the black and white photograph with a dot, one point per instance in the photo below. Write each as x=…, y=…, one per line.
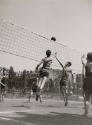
x=45, y=62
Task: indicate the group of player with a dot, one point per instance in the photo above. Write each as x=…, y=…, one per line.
x=43, y=68
x=44, y=72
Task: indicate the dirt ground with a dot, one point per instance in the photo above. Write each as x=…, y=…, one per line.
x=49, y=112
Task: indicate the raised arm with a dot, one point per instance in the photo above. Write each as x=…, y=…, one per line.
x=82, y=60
x=83, y=68
x=59, y=62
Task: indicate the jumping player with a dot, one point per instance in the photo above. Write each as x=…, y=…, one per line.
x=44, y=71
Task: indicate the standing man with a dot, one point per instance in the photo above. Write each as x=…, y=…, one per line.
x=87, y=80
x=65, y=82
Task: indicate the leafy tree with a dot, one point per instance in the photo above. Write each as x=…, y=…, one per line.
x=12, y=76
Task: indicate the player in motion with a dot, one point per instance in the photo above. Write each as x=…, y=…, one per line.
x=65, y=84
x=44, y=71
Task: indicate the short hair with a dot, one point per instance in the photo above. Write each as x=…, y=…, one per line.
x=68, y=64
x=48, y=52
x=89, y=56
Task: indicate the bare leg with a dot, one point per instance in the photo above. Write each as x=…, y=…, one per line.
x=43, y=82
x=86, y=103
x=64, y=92
x=30, y=95
x=40, y=82
x=66, y=95
x=38, y=93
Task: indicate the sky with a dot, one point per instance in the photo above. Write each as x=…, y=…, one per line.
x=70, y=21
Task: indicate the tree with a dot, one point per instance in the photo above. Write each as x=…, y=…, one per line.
x=12, y=76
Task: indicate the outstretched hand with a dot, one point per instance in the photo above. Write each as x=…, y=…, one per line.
x=54, y=54
x=83, y=56
x=82, y=59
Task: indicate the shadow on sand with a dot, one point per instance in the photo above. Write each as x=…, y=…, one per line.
x=54, y=118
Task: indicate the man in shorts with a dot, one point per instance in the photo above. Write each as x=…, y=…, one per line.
x=87, y=80
x=65, y=83
x=44, y=71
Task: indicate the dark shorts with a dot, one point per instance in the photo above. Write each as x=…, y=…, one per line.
x=44, y=72
x=34, y=88
x=87, y=85
x=63, y=82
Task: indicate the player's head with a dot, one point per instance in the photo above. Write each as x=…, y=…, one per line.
x=89, y=57
x=48, y=53
x=68, y=64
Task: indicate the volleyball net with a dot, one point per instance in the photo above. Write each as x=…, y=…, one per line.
x=19, y=41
